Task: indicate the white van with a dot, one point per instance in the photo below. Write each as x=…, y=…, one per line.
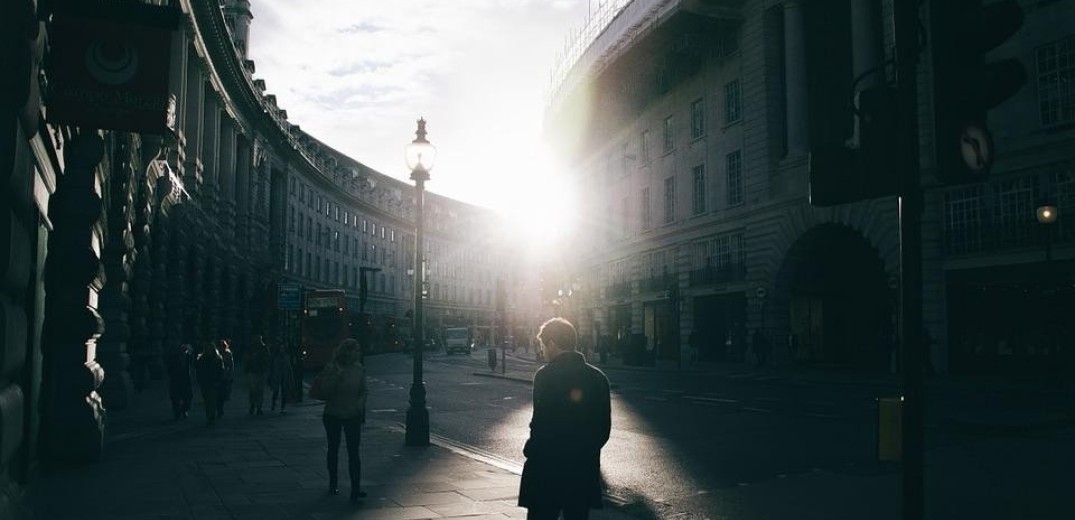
x=457, y=339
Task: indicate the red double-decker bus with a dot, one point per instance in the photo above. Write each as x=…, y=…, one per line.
x=325, y=323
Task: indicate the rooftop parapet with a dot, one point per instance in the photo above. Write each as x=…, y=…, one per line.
x=614, y=28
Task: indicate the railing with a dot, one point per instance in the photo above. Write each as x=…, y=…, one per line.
x=603, y=32
x=658, y=283
x=1001, y=215
x=619, y=290
x=714, y=275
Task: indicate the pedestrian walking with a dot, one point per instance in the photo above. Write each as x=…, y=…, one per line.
x=694, y=342
x=180, y=385
x=256, y=372
x=209, y=368
x=280, y=376
x=761, y=346
x=227, y=378
x=342, y=385
x=572, y=421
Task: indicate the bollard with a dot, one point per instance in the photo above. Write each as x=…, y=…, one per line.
x=491, y=354
x=889, y=427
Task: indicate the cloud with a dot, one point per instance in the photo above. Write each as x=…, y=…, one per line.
x=358, y=73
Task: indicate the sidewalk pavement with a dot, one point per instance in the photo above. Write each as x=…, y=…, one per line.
x=270, y=467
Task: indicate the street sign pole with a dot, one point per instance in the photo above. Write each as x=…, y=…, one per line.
x=906, y=19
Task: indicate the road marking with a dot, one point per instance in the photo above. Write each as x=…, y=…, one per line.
x=384, y=410
x=752, y=409
x=470, y=384
x=712, y=399
x=472, y=452
x=654, y=398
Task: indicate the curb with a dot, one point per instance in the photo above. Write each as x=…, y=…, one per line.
x=505, y=377
x=612, y=502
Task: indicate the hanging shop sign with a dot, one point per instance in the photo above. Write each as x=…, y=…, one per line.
x=109, y=66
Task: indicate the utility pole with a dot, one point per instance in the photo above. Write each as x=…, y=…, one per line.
x=906, y=21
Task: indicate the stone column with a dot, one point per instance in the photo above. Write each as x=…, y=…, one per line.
x=142, y=277
x=865, y=47
x=22, y=251
x=227, y=310
x=115, y=302
x=242, y=192
x=226, y=185
x=195, y=324
x=156, y=308
x=210, y=149
x=193, y=125
x=866, y=42
x=174, y=296
x=72, y=428
x=795, y=80
x=210, y=296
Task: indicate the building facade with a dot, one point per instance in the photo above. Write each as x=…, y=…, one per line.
x=154, y=206
x=690, y=126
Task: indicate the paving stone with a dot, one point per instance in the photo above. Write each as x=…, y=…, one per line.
x=429, y=499
x=495, y=493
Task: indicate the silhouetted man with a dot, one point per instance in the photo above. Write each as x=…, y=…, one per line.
x=571, y=423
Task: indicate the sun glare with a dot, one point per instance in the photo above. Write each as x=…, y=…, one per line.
x=540, y=206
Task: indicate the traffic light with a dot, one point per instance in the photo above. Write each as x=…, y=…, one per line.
x=965, y=86
x=840, y=174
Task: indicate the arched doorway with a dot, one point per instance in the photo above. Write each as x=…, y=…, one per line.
x=838, y=303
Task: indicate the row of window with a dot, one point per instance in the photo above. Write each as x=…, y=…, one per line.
x=718, y=259
x=311, y=265
x=331, y=272
x=699, y=128
x=332, y=211
x=1056, y=82
x=733, y=191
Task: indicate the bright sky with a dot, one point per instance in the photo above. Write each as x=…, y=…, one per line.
x=357, y=74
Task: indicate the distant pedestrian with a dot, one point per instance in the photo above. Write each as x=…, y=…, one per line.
x=256, y=372
x=180, y=385
x=209, y=367
x=572, y=421
x=761, y=346
x=280, y=376
x=227, y=378
x=342, y=385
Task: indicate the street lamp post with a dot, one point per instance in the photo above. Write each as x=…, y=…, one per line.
x=363, y=294
x=420, y=157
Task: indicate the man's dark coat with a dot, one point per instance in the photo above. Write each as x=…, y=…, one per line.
x=571, y=423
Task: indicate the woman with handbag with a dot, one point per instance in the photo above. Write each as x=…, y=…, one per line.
x=342, y=385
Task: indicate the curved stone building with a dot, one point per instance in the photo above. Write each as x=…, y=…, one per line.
x=156, y=195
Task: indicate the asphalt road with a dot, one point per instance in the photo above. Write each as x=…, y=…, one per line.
x=750, y=447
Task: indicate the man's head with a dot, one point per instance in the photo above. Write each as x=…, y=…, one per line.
x=557, y=335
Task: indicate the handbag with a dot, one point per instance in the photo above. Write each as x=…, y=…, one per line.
x=324, y=384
